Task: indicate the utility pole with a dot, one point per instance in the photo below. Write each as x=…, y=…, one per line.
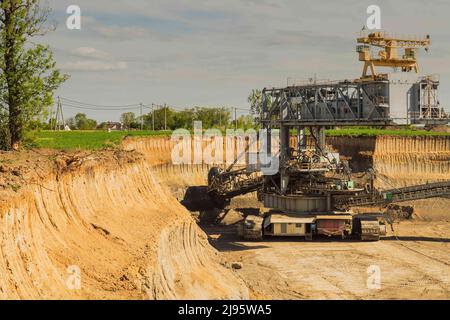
x=235, y=119
x=52, y=111
x=165, y=117
x=56, y=115
x=59, y=117
x=142, y=118
x=62, y=116
x=153, y=116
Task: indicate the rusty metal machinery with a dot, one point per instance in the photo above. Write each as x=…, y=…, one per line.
x=225, y=185
x=312, y=183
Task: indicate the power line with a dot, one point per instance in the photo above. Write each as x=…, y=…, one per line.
x=75, y=102
x=98, y=109
x=70, y=103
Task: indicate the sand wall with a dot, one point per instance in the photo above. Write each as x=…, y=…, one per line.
x=401, y=161
x=112, y=227
x=108, y=229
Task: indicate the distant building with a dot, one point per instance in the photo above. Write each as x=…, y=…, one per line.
x=114, y=126
x=412, y=99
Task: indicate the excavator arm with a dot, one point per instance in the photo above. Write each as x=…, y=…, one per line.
x=227, y=185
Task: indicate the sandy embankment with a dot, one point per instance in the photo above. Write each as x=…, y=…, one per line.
x=111, y=221
x=115, y=217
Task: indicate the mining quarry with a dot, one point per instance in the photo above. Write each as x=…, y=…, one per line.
x=117, y=216
x=321, y=189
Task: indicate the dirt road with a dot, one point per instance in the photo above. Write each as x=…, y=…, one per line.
x=414, y=264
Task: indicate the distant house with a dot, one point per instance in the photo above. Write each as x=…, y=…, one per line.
x=114, y=126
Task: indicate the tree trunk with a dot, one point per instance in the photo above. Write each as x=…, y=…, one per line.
x=15, y=125
x=15, y=112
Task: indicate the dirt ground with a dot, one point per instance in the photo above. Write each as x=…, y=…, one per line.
x=102, y=225
x=414, y=263
x=413, y=258
x=116, y=216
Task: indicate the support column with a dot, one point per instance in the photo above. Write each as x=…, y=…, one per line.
x=284, y=157
x=301, y=139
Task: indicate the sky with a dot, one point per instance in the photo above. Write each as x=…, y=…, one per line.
x=213, y=53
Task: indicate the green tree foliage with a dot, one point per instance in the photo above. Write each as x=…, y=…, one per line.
x=211, y=117
x=129, y=120
x=255, y=101
x=28, y=76
x=4, y=131
x=246, y=122
x=81, y=122
x=185, y=119
x=164, y=118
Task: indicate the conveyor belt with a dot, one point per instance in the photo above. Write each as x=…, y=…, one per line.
x=430, y=190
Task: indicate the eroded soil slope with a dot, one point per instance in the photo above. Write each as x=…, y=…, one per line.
x=102, y=225
x=413, y=259
x=109, y=225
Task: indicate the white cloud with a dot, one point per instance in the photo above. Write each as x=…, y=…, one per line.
x=111, y=31
x=223, y=49
x=92, y=53
x=120, y=32
x=93, y=60
x=90, y=65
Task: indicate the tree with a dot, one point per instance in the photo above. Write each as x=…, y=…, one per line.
x=214, y=117
x=255, y=101
x=223, y=117
x=69, y=122
x=164, y=118
x=82, y=122
x=28, y=76
x=245, y=122
x=185, y=118
x=128, y=119
x=103, y=126
x=4, y=131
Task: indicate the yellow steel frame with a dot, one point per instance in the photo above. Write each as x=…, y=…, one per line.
x=389, y=56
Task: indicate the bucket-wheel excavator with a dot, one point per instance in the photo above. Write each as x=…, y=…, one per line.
x=316, y=202
x=312, y=190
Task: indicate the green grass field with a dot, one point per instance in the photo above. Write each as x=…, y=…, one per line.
x=93, y=140
x=86, y=140
x=372, y=132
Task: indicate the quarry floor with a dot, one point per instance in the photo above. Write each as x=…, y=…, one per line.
x=116, y=215
x=414, y=263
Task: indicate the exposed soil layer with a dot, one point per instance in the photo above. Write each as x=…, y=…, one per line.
x=110, y=225
x=102, y=226
x=400, y=162
x=413, y=259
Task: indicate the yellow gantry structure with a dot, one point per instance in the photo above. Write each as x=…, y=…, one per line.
x=389, y=55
